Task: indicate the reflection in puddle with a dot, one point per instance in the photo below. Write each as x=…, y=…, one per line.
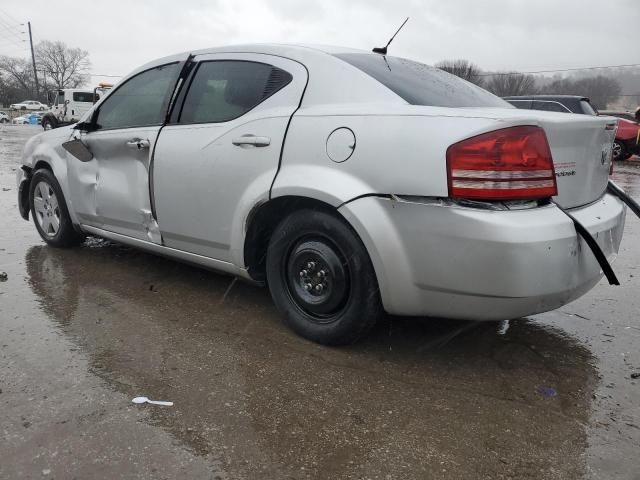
x=418, y=398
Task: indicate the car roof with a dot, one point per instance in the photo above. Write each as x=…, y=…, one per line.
x=546, y=97
x=324, y=68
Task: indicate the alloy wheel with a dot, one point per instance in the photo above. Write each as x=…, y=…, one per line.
x=47, y=209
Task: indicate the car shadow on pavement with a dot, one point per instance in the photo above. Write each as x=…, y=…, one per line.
x=479, y=400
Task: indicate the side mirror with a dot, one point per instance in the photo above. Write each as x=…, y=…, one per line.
x=66, y=102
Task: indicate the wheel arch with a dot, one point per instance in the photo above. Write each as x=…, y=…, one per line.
x=265, y=217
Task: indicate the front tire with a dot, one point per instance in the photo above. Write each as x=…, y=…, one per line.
x=49, y=211
x=321, y=278
x=47, y=124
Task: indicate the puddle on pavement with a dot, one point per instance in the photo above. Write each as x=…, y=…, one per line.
x=447, y=398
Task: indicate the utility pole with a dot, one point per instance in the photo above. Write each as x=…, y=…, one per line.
x=33, y=59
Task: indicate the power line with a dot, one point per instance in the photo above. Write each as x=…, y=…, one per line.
x=9, y=15
x=559, y=70
x=104, y=75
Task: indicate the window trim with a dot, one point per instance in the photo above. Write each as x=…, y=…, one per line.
x=194, y=72
x=165, y=101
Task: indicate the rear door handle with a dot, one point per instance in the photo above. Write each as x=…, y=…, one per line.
x=251, y=141
x=138, y=143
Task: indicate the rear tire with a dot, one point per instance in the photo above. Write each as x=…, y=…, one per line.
x=49, y=211
x=321, y=278
x=619, y=151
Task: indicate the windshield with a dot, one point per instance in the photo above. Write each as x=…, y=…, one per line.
x=420, y=84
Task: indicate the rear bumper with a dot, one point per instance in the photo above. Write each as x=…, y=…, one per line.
x=456, y=262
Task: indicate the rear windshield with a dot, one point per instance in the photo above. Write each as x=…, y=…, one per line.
x=420, y=84
x=83, y=97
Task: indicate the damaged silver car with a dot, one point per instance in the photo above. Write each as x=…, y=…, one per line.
x=351, y=183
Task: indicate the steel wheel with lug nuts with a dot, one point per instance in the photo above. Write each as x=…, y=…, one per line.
x=321, y=278
x=49, y=211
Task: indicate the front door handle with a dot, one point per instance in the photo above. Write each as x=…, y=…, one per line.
x=251, y=141
x=138, y=143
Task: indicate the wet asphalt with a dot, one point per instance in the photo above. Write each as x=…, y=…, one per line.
x=83, y=331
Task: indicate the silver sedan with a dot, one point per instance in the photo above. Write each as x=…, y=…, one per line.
x=349, y=182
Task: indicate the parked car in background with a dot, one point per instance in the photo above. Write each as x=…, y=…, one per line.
x=35, y=118
x=348, y=182
x=28, y=105
x=4, y=118
x=21, y=120
x=627, y=141
x=614, y=113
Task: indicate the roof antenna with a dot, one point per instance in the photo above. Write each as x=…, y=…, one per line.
x=383, y=50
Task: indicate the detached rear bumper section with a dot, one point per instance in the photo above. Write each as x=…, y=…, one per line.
x=456, y=262
x=23, y=179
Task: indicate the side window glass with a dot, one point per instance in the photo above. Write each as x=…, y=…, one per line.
x=226, y=89
x=141, y=101
x=549, y=106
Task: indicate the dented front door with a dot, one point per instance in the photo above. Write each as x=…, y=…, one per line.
x=111, y=191
x=122, y=197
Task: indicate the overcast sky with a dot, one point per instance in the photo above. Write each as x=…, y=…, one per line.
x=495, y=34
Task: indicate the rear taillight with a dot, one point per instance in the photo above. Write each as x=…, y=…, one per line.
x=508, y=164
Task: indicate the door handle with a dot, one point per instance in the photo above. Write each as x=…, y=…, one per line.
x=138, y=143
x=251, y=141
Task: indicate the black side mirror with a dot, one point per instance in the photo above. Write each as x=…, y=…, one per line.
x=83, y=126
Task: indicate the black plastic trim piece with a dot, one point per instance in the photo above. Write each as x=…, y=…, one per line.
x=365, y=195
x=595, y=248
x=615, y=190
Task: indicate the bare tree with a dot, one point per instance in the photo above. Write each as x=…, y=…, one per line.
x=17, y=73
x=600, y=90
x=511, y=83
x=463, y=69
x=63, y=66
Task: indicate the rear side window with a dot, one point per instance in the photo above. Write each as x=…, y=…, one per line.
x=222, y=90
x=420, y=84
x=549, y=106
x=83, y=97
x=523, y=104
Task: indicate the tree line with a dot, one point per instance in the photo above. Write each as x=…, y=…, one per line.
x=601, y=90
x=57, y=65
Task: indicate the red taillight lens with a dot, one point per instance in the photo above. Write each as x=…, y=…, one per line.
x=510, y=164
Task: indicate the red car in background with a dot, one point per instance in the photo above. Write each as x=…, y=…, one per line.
x=627, y=141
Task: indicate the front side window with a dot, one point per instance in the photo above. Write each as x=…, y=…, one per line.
x=141, y=101
x=222, y=90
x=420, y=84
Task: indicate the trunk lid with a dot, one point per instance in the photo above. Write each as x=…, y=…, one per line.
x=580, y=145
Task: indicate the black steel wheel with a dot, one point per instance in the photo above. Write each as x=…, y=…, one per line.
x=321, y=278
